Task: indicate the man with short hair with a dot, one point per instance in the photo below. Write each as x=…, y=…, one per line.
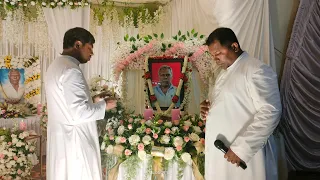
x=243, y=111
x=13, y=90
x=73, y=151
x=165, y=91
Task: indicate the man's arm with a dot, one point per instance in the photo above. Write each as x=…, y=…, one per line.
x=74, y=91
x=266, y=99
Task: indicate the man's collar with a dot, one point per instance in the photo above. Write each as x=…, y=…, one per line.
x=74, y=60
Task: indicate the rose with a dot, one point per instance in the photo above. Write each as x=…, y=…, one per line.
x=109, y=149
x=194, y=137
x=1, y=155
x=177, y=141
x=187, y=123
x=200, y=124
x=123, y=139
x=155, y=136
x=167, y=131
x=168, y=124
x=202, y=140
x=147, y=75
x=160, y=121
x=179, y=148
x=140, y=147
x=134, y=139
x=174, y=130
x=176, y=122
x=186, y=157
x=169, y=153
x=186, y=139
x=185, y=128
x=153, y=98
x=197, y=129
x=130, y=120
x=165, y=139
x=129, y=126
x=120, y=130
x=175, y=99
x=146, y=139
x=111, y=137
x=148, y=131
x=127, y=152
x=143, y=121
x=121, y=122
x=142, y=155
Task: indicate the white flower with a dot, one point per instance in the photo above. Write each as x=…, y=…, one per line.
x=32, y=3
x=110, y=149
x=118, y=140
x=165, y=139
x=14, y=140
x=60, y=3
x=19, y=144
x=174, y=130
x=33, y=159
x=177, y=141
x=103, y=145
x=168, y=124
x=194, y=137
x=70, y=3
x=197, y=129
x=2, y=138
x=134, y=139
x=146, y=139
x=44, y=3
x=186, y=157
x=32, y=148
x=169, y=153
x=149, y=123
x=121, y=130
x=52, y=3
x=142, y=155
x=187, y=123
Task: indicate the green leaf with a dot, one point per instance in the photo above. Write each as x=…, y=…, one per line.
x=188, y=34
x=202, y=36
x=163, y=46
x=181, y=39
x=126, y=37
x=146, y=41
x=138, y=36
x=175, y=37
x=195, y=35
x=179, y=33
x=155, y=35
x=163, y=50
x=132, y=39
x=184, y=37
x=150, y=37
x=162, y=35
x=133, y=47
x=169, y=45
x=192, y=31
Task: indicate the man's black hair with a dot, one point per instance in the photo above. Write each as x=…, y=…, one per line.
x=77, y=34
x=223, y=35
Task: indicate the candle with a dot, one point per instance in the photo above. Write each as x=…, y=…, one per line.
x=39, y=108
x=175, y=114
x=148, y=113
x=22, y=125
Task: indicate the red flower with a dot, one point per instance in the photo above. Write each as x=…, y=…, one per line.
x=153, y=98
x=147, y=75
x=175, y=99
x=184, y=77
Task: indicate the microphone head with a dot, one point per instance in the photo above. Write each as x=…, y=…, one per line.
x=219, y=144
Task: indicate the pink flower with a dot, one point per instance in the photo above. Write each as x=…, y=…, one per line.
x=179, y=148
x=123, y=140
x=110, y=131
x=155, y=136
x=3, y=111
x=142, y=121
x=167, y=131
x=121, y=122
x=127, y=152
x=1, y=156
x=148, y=130
x=202, y=140
x=15, y=158
x=19, y=171
x=130, y=120
x=185, y=128
x=130, y=126
x=9, y=143
x=176, y=122
x=111, y=137
x=200, y=124
x=186, y=139
x=160, y=121
x=140, y=147
x=22, y=126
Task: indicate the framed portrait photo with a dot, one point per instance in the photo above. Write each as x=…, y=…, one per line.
x=165, y=77
x=12, y=85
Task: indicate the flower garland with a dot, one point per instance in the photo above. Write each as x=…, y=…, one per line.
x=9, y=111
x=17, y=154
x=185, y=76
x=13, y=4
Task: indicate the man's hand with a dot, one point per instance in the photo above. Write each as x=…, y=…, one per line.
x=204, y=108
x=101, y=96
x=111, y=103
x=232, y=157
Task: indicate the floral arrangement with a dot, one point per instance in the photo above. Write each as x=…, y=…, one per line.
x=16, y=110
x=31, y=65
x=17, y=154
x=180, y=140
x=12, y=4
x=44, y=119
x=183, y=83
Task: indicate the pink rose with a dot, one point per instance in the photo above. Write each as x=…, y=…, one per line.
x=127, y=152
x=15, y=158
x=19, y=171
x=200, y=124
x=160, y=121
x=9, y=143
x=123, y=140
x=22, y=126
x=130, y=120
x=143, y=121
x=186, y=139
x=167, y=131
x=3, y=111
x=121, y=122
x=155, y=136
x=140, y=147
x=130, y=126
x=111, y=137
x=110, y=131
x=179, y=148
x=176, y=122
x=202, y=140
x=1, y=156
x=185, y=128
x=148, y=130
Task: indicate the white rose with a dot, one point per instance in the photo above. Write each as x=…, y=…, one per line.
x=165, y=139
x=194, y=137
x=13, y=135
x=197, y=129
x=25, y=134
x=103, y=145
x=174, y=130
x=2, y=138
x=186, y=157
x=134, y=139
x=168, y=124
x=33, y=158
x=32, y=3
x=142, y=155
x=14, y=140
x=146, y=139
x=121, y=130
x=44, y=3
x=19, y=144
x=70, y=3
x=177, y=141
x=169, y=153
x=118, y=140
x=187, y=123
x=110, y=149
x=149, y=123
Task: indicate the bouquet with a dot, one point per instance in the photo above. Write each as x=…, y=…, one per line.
x=16, y=110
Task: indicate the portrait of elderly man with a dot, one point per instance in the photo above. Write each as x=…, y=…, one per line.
x=165, y=90
x=13, y=89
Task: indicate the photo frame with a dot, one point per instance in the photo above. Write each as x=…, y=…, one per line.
x=12, y=86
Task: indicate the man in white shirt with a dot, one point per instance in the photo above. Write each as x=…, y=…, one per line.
x=243, y=110
x=13, y=90
x=165, y=91
x=73, y=151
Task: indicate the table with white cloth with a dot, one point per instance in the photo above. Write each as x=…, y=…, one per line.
x=32, y=122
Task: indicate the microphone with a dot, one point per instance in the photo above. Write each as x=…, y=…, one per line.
x=220, y=145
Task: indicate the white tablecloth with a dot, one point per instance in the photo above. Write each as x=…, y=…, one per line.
x=32, y=122
x=171, y=174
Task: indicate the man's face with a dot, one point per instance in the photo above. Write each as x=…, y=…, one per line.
x=221, y=54
x=165, y=77
x=86, y=51
x=14, y=77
